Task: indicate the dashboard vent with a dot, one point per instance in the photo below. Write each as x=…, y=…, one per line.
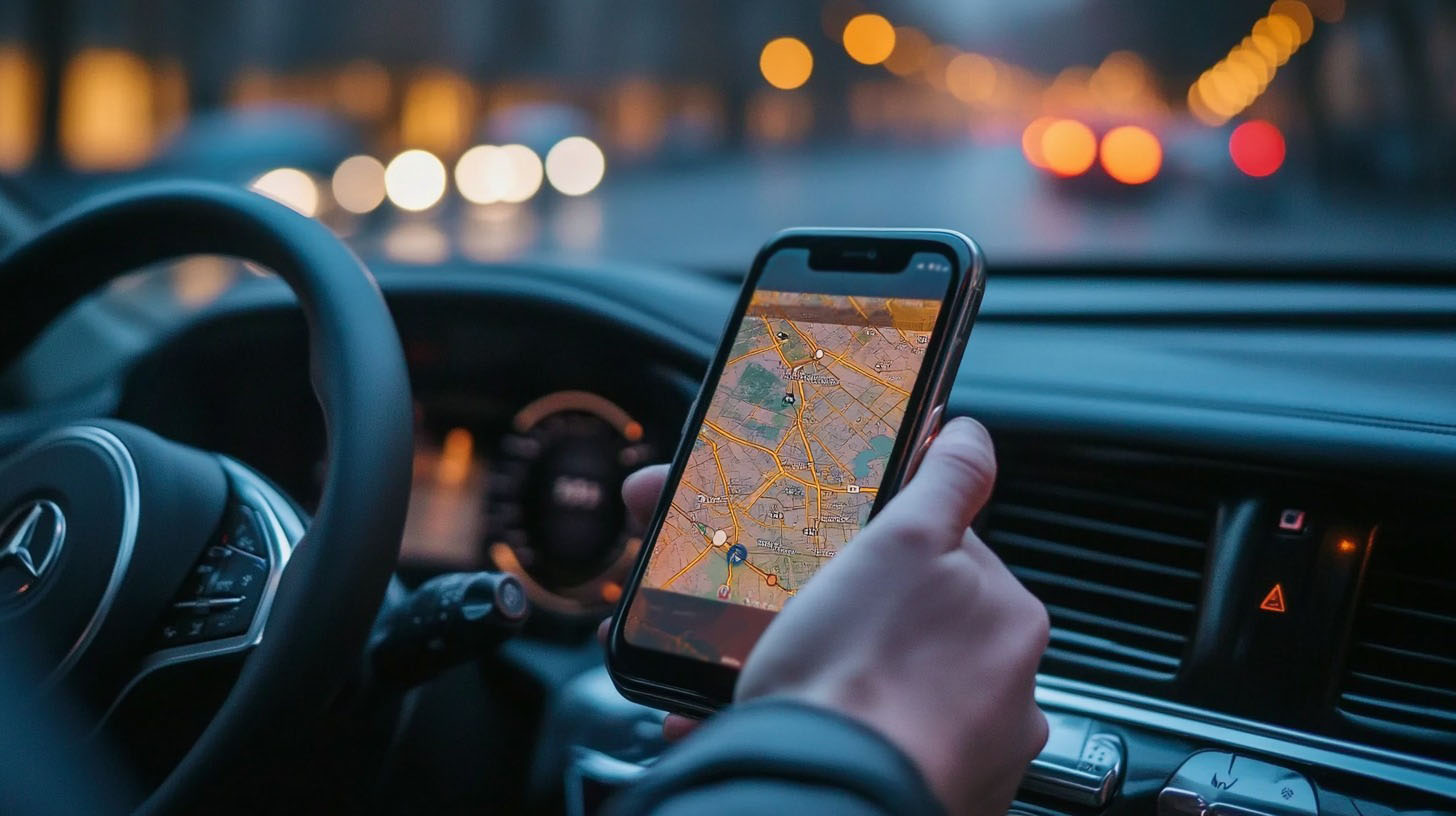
x=1117, y=559
x=1400, y=671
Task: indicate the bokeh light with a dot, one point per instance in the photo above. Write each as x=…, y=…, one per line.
x=436, y=111
x=1331, y=11
x=869, y=39
x=358, y=184
x=786, y=63
x=1299, y=13
x=20, y=107
x=1231, y=85
x=1257, y=148
x=290, y=186
x=1130, y=154
x=575, y=165
x=937, y=61
x=1031, y=140
x=1283, y=31
x=415, y=180
x=198, y=280
x=487, y=174
x=106, y=115
x=1068, y=147
x=1119, y=80
x=912, y=48
x=971, y=78
x=362, y=89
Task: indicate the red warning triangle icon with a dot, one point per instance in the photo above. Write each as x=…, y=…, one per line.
x=1274, y=601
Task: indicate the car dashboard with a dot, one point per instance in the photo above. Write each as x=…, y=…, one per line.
x=1231, y=489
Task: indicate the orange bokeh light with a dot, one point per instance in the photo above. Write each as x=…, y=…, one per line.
x=912, y=48
x=1031, y=140
x=1131, y=154
x=869, y=39
x=1299, y=13
x=786, y=63
x=1068, y=147
x=106, y=112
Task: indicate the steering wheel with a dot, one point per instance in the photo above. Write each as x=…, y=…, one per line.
x=122, y=552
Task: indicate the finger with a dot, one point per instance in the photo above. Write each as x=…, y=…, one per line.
x=640, y=492
x=955, y=478
x=1037, y=732
x=603, y=629
x=676, y=726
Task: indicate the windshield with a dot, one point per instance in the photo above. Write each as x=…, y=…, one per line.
x=666, y=131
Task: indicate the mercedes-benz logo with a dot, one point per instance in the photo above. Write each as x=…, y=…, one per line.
x=30, y=539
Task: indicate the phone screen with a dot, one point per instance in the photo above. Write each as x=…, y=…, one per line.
x=787, y=462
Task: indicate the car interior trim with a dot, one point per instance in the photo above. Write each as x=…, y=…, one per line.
x=131, y=514
x=1140, y=711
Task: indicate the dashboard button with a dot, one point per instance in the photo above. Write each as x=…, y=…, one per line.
x=1230, y=785
x=1292, y=521
x=1077, y=764
x=1178, y=802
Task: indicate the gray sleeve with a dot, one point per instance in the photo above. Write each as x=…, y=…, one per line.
x=778, y=756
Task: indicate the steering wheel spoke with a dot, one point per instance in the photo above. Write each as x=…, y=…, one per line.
x=222, y=606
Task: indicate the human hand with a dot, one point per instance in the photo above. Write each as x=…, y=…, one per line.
x=640, y=493
x=917, y=630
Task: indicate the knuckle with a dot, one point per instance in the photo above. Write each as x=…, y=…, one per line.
x=1039, y=623
x=1038, y=731
x=919, y=533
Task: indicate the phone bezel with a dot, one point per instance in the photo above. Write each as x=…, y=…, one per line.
x=690, y=686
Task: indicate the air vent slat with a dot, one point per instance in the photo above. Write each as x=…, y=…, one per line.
x=1433, y=617
x=1401, y=664
x=1067, y=613
x=1094, y=525
x=1117, y=556
x=1405, y=686
x=1067, y=657
x=1055, y=580
x=1410, y=654
x=1404, y=712
x=1068, y=551
x=1063, y=494
x=1062, y=637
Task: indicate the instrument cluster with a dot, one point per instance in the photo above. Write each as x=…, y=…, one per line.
x=538, y=495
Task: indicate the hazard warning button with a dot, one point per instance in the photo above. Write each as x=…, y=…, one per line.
x=1274, y=600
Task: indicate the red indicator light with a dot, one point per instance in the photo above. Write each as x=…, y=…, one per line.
x=1274, y=601
x=1346, y=545
x=1257, y=148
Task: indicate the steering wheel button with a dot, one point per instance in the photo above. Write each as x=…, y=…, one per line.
x=180, y=628
x=228, y=622
x=243, y=534
x=240, y=575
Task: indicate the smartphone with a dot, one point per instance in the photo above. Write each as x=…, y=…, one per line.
x=828, y=386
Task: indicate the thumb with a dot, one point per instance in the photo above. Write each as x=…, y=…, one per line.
x=954, y=479
x=640, y=492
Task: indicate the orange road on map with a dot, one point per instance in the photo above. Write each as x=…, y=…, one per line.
x=816, y=383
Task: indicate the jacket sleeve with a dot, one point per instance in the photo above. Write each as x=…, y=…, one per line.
x=776, y=756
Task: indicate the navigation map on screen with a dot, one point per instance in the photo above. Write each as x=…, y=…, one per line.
x=785, y=467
